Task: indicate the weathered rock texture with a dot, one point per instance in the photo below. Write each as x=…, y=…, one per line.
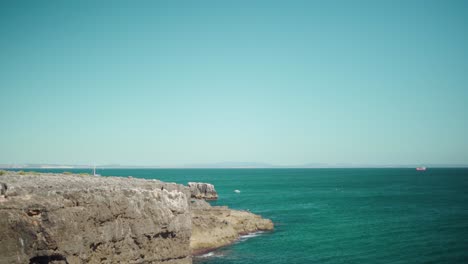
x=69, y=218
x=57, y=218
x=200, y=190
x=217, y=226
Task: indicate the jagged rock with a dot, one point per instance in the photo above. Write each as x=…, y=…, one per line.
x=217, y=226
x=47, y=218
x=200, y=190
x=70, y=218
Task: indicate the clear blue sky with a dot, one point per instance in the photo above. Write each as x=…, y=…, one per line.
x=282, y=82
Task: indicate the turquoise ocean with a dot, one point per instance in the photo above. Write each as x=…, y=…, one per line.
x=338, y=215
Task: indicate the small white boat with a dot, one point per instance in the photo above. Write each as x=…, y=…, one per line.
x=421, y=168
x=236, y=191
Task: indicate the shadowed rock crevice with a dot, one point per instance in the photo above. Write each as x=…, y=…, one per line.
x=52, y=259
x=94, y=246
x=164, y=235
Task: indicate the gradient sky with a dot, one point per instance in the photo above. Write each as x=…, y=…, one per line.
x=185, y=82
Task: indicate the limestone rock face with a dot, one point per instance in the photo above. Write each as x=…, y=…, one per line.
x=59, y=218
x=200, y=190
x=217, y=226
x=70, y=218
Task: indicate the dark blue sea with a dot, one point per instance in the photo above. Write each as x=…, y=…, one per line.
x=364, y=216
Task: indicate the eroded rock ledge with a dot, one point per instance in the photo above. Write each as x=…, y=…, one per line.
x=70, y=218
x=201, y=190
x=217, y=226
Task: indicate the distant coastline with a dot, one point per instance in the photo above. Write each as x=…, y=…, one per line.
x=229, y=165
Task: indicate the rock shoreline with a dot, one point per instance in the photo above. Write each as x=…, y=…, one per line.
x=72, y=218
x=201, y=252
x=218, y=226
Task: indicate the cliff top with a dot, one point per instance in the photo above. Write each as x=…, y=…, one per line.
x=20, y=183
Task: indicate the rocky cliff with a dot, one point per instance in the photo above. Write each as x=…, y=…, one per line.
x=47, y=218
x=70, y=218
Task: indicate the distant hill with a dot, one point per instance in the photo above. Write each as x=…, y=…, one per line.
x=232, y=165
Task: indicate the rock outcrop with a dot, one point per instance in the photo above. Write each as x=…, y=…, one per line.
x=200, y=190
x=71, y=218
x=217, y=226
x=47, y=218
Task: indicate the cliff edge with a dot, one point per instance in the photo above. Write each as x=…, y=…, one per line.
x=59, y=218
x=72, y=218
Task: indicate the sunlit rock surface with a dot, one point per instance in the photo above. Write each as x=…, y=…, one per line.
x=64, y=218
x=201, y=190
x=217, y=226
x=71, y=218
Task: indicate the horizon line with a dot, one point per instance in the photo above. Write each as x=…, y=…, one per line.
x=214, y=166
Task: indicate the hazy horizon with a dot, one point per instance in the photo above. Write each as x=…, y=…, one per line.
x=227, y=165
x=182, y=82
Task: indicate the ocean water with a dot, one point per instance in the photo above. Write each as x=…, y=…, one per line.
x=339, y=215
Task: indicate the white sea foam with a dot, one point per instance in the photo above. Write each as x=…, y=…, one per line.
x=210, y=254
x=250, y=235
